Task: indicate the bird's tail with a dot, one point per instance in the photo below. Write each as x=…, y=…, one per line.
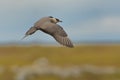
x=30, y=32
x=24, y=37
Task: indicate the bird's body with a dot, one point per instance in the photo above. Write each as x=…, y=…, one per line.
x=49, y=25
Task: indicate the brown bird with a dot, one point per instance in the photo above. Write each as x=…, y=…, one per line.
x=49, y=25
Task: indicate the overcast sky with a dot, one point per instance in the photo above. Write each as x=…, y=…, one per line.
x=83, y=20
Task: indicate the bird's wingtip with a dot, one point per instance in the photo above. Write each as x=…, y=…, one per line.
x=71, y=46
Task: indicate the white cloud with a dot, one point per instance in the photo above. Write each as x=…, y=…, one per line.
x=112, y=21
x=105, y=25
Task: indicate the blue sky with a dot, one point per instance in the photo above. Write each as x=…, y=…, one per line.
x=83, y=20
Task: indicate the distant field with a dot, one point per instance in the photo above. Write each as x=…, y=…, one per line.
x=97, y=55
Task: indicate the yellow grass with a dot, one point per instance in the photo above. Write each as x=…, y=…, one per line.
x=98, y=55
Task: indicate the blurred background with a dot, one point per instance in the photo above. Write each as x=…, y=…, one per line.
x=92, y=25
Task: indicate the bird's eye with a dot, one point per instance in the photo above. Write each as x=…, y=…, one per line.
x=50, y=17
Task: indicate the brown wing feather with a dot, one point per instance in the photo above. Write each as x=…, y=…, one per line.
x=63, y=40
x=58, y=33
x=61, y=36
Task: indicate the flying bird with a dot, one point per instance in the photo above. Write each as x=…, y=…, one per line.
x=49, y=25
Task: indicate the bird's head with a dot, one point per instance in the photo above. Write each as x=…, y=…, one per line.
x=54, y=20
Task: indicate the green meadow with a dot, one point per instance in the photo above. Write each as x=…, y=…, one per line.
x=98, y=56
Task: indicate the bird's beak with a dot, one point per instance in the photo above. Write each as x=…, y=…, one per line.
x=60, y=21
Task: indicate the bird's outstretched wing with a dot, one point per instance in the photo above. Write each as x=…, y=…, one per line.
x=59, y=34
x=63, y=40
